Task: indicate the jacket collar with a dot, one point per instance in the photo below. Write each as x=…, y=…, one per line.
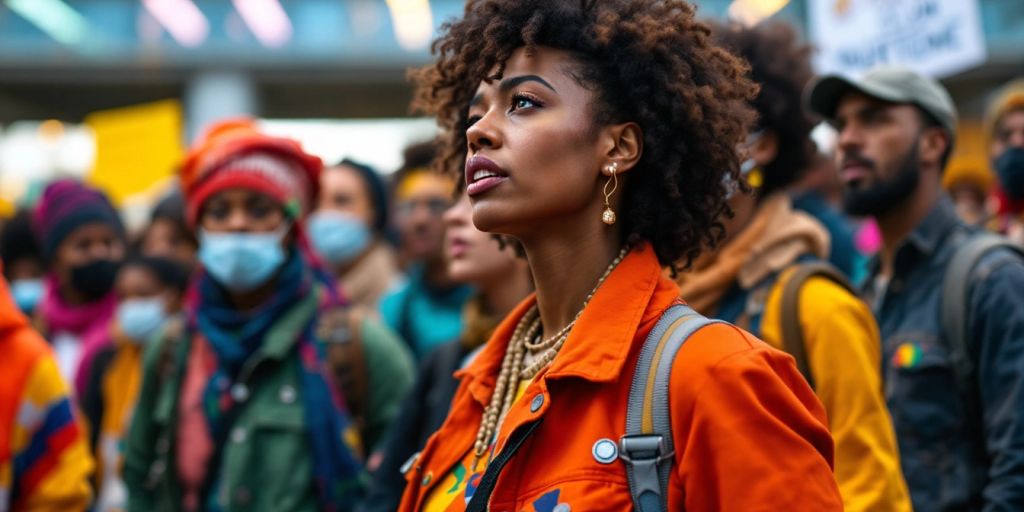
x=926, y=238
x=598, y=346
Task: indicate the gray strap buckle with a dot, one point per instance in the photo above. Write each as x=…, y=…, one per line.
x=643, y=453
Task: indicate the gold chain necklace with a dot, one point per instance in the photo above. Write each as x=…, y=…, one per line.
x=512, y=364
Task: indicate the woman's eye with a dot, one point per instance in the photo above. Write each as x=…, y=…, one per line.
x=471, y=120
x=520, y=101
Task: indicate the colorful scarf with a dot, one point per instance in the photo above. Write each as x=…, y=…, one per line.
x=89, y=322
x=235, y=336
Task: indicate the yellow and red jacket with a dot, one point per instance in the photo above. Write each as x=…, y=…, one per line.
x=44, y=455
x=749, y=432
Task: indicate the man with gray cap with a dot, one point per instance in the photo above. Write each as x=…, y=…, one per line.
x=956, y=400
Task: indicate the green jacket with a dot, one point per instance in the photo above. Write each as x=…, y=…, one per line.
x=266, y=461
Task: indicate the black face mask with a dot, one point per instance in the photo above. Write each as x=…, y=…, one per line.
x=95, y=279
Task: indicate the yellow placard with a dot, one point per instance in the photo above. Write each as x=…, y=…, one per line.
x=137, y=148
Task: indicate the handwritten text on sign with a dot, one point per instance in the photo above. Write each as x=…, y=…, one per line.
x=934, y=37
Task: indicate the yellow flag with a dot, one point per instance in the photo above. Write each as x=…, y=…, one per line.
x=137, y=148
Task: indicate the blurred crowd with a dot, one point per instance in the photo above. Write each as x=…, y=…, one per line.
x=289, y=334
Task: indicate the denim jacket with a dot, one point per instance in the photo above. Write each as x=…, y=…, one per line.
x=953, y=459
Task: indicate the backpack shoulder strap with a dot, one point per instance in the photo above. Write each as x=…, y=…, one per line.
x=647, y=449
x=792, y=333
x=955, y=289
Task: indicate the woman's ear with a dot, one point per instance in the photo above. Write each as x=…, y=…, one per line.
x=624, y=145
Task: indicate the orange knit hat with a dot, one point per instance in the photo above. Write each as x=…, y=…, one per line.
x=234, y=154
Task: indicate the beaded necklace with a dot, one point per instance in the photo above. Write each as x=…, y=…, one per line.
x=512, y=370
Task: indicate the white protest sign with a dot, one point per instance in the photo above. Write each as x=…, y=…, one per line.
x=934, y=37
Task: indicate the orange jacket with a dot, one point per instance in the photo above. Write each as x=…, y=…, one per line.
x=749, y=433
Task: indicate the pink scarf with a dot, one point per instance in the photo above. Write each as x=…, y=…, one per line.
x=89, y=322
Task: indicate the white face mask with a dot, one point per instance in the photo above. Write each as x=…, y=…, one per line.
x=142, y=319
x=242, y=262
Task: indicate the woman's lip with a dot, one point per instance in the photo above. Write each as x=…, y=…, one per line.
x=457, y=248
x=480, y=186
x=481, y=163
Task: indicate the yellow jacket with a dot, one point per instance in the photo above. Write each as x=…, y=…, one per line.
x=844, y=354
x=840, y=337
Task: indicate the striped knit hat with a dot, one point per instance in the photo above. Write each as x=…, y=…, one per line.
x=234, y=154
x=67, y=205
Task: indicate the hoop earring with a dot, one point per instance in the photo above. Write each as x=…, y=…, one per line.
x=608, y=216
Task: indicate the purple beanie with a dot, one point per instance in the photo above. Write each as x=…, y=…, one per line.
x=67, y=205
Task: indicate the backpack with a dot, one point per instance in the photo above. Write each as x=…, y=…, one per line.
x=955, y=296
x=647, y=448
x=792, y=333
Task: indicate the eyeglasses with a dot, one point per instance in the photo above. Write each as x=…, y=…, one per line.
x=435, y=206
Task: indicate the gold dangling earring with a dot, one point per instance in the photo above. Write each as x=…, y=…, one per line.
x=608, y=216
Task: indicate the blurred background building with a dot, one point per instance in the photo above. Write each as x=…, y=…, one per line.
x=112, y=90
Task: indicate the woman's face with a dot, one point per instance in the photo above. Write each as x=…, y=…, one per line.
x=474, y=256
x=240, y=210
x=86, y=244
x=534, y=129
x=343, y=190
x=165, y=239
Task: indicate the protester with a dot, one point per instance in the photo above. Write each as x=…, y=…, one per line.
x=1005, y=128
x=969, y=188
x=150, y=291
x=168, y=235
x=426, y=310
x=770, y=248
x=44, y=455
x=83, y=242
x=502, y=280
x=242, y=413
x=348, y=230
x=955, y=397
x=599, y=134
x=23, y=263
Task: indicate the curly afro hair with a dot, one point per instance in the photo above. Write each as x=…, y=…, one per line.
x=648, y=62
x=781, y=66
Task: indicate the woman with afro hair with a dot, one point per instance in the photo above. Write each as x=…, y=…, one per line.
x=602, y=136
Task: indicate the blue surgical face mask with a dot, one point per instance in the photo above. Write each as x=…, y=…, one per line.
x=27, y=293
x=242, y=262
x=338, y=237
x=1010, y=169
x=141, y=319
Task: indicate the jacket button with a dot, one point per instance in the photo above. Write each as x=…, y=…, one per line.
x=287, y=394
x=238, y=435
x=429, y=477
x=240, y=392
x=537, y=403
x=605, y=451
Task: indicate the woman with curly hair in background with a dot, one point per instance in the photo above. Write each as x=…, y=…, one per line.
x=599, y=135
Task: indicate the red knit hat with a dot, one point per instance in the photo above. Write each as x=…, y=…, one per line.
x=234, y=154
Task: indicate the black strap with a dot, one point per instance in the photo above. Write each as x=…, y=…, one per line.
x=482, y=495
x=792, y=333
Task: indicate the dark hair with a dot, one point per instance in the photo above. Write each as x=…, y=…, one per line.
x=930, y=121
x=781, y=65
x=172, y=209
x=167, y=271
x=649, y=62
x=18, y=241
x=415, y=157
x=375, y=188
